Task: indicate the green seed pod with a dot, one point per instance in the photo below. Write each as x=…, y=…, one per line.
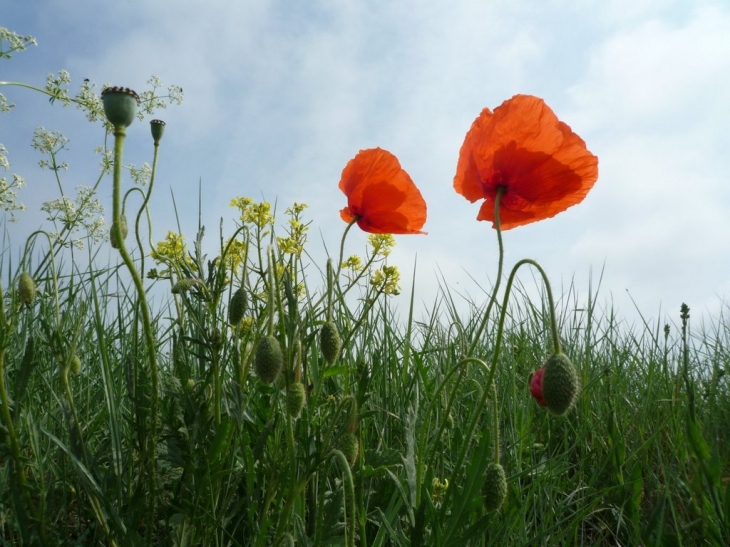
x=268, y=360
x=495, y=487
x=237, y=307
x=295, y=399
x=330, y=342
x=349, y=446
x=158, y=129
x=26, y=288
x=76, y=364
x=560, y=384
x=120, y=105
x=112, y=232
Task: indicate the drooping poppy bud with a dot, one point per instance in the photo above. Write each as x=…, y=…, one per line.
x=560, y=384
x=536, y=386
x=122, y=228
x=237, y=307
x=26, y=288
x=268, y=360
x=495, y=487
x=295, y=399
x=330, y=342
x=349, y=446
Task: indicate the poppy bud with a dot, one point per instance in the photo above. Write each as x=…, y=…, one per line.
x=349, y=446
x=158, y=129
x=122, y=228
x=560, y=384
x=76, y=364
x=268, y=360
x=330, y=342
x=26, y=288
x=536, y=386
x=295, y=399
x=237, y=307
x=495, y=487
x=184, y=285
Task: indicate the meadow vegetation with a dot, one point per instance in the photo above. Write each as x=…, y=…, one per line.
x=268, y=400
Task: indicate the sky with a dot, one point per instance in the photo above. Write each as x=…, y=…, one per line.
x=280, y=95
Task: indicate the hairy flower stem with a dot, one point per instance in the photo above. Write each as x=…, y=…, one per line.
x=551, y=306
x=119, y=134
x=143, y=207
x=500, y=265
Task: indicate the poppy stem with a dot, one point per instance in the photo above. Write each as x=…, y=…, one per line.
x=551, y=306
x=500, y=265
x=342, y=247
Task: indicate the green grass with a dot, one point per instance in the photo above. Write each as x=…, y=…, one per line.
x=642, y=459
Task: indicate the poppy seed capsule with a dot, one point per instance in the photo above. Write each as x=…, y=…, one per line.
x=158, y=129
x=295, y=399
x=330, y=342
x=237, y=307
x=495, y=487
x=26, y=288
x=560, y=384
x=120, y=105
x=268, y=360
x=122, y=228
x=349, y=446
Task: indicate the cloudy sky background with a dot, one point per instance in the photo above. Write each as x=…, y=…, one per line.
x=280, y=95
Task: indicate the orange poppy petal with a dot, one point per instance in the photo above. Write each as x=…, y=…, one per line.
x=381, y=195
x=522, y=147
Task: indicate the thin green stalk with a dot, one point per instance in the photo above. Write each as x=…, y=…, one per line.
x=143, y=207
x=18, y=465
x=119, y=135
x=500, y=265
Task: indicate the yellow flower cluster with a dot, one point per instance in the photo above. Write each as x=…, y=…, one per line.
x=172, y=250
x=294, y=243
x=236, y=254
x=381, y=244
x=386, y=280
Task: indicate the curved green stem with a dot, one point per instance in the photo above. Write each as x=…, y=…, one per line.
x=119, y=134
x=493, y=298
x=551, y=305
x=53, y=268
x=143, y=207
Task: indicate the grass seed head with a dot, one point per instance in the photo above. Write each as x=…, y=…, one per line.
x=330, y=342
x=495, y=487
x=27, y=288
x=560, y=384
x=268, y=360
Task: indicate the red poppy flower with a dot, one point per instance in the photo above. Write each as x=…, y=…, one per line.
x=381, y=195
x=536, y=386
x=522, y=147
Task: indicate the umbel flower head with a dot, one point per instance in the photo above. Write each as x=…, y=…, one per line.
x=380, y=195
x=541, y=166
x=556, y=385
